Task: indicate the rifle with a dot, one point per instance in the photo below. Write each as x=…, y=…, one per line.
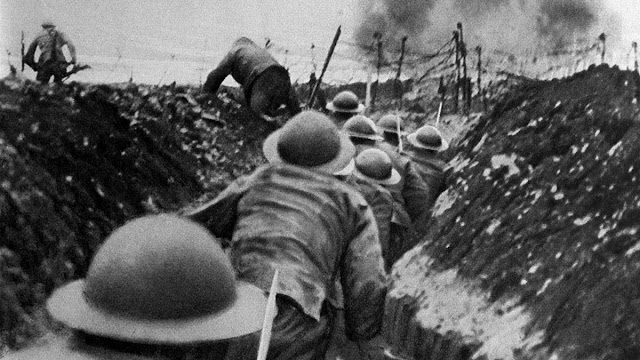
x=76, y=68
x=269, y=314
x=324, y=68
x=22, y=50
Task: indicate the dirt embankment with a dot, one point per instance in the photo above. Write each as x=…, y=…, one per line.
x=533, y=250
x=79, y=160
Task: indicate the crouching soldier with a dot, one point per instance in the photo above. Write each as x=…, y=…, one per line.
x=160, y=287
x=266, y=83
x=295, y=216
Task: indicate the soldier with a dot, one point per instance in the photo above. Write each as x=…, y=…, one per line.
x=295, y=216
x=160, y=287
x=389, y=125
x=410, y=192
x=425, y=144
x=373, y=171
x=52, y=61
x=265, y=82
x=343, y=106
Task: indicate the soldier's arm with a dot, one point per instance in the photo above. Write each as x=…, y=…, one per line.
x=219, y=215
x=363, y=279
x=72, y=48
x=292, y=101
x=29, y=56
x=217, y=75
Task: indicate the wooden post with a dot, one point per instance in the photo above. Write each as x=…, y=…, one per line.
x=466, y=87
x=404, y=40
x=398, y=86
x=378, y=38
x=456, y=92
x=22, y=51
x=324, y=67
x=634, y=47
x=479, y=50
x=603, y=39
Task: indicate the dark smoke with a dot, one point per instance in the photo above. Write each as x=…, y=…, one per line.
x=392, y=19
x=559, y=21
x=509, y=25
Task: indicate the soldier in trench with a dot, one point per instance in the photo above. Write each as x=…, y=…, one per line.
x=410, y=192
x=295, y=216
x=425, y=144
x=160, y=287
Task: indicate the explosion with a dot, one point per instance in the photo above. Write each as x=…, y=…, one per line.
x=514, y=26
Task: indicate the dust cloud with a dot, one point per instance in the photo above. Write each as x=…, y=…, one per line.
x=514, y=26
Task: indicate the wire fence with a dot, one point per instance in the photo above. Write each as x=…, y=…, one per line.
x=352, y=62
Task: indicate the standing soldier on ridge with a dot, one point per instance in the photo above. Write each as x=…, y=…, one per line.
x=52, y=61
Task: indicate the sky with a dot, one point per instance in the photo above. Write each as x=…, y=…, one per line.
x=201, y=31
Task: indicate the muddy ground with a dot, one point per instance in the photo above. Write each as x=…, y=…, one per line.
x=532, y=252
x=79, y=160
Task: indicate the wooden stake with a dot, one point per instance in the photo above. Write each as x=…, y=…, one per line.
x=456, y=92
x=269, y=314
x=324, y=68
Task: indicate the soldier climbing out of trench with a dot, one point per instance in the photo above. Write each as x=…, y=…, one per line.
x=293, y=215
x=266, y=84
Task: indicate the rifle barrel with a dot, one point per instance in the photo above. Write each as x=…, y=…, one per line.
x=324, y=67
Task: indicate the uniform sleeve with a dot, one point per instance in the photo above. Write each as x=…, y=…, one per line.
x=219, y=215
x=217, y=75
x=72, y=48
x=29, y=56
x=363, y=279
x=292, y=101
x=416, y=195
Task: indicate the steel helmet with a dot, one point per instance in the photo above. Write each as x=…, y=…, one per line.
x=311, y=140
x=374, y=165
x=160, y=279
x=428, y=137
x=362, y=127
x=346, y=102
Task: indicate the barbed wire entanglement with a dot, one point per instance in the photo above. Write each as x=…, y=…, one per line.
x=463, y=75
x=450, y=65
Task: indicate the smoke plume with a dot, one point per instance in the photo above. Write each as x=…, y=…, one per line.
x=509, y=25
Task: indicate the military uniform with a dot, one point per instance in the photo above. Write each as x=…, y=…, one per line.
x=52, y=61
x=314, y=229
x=266, y=83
